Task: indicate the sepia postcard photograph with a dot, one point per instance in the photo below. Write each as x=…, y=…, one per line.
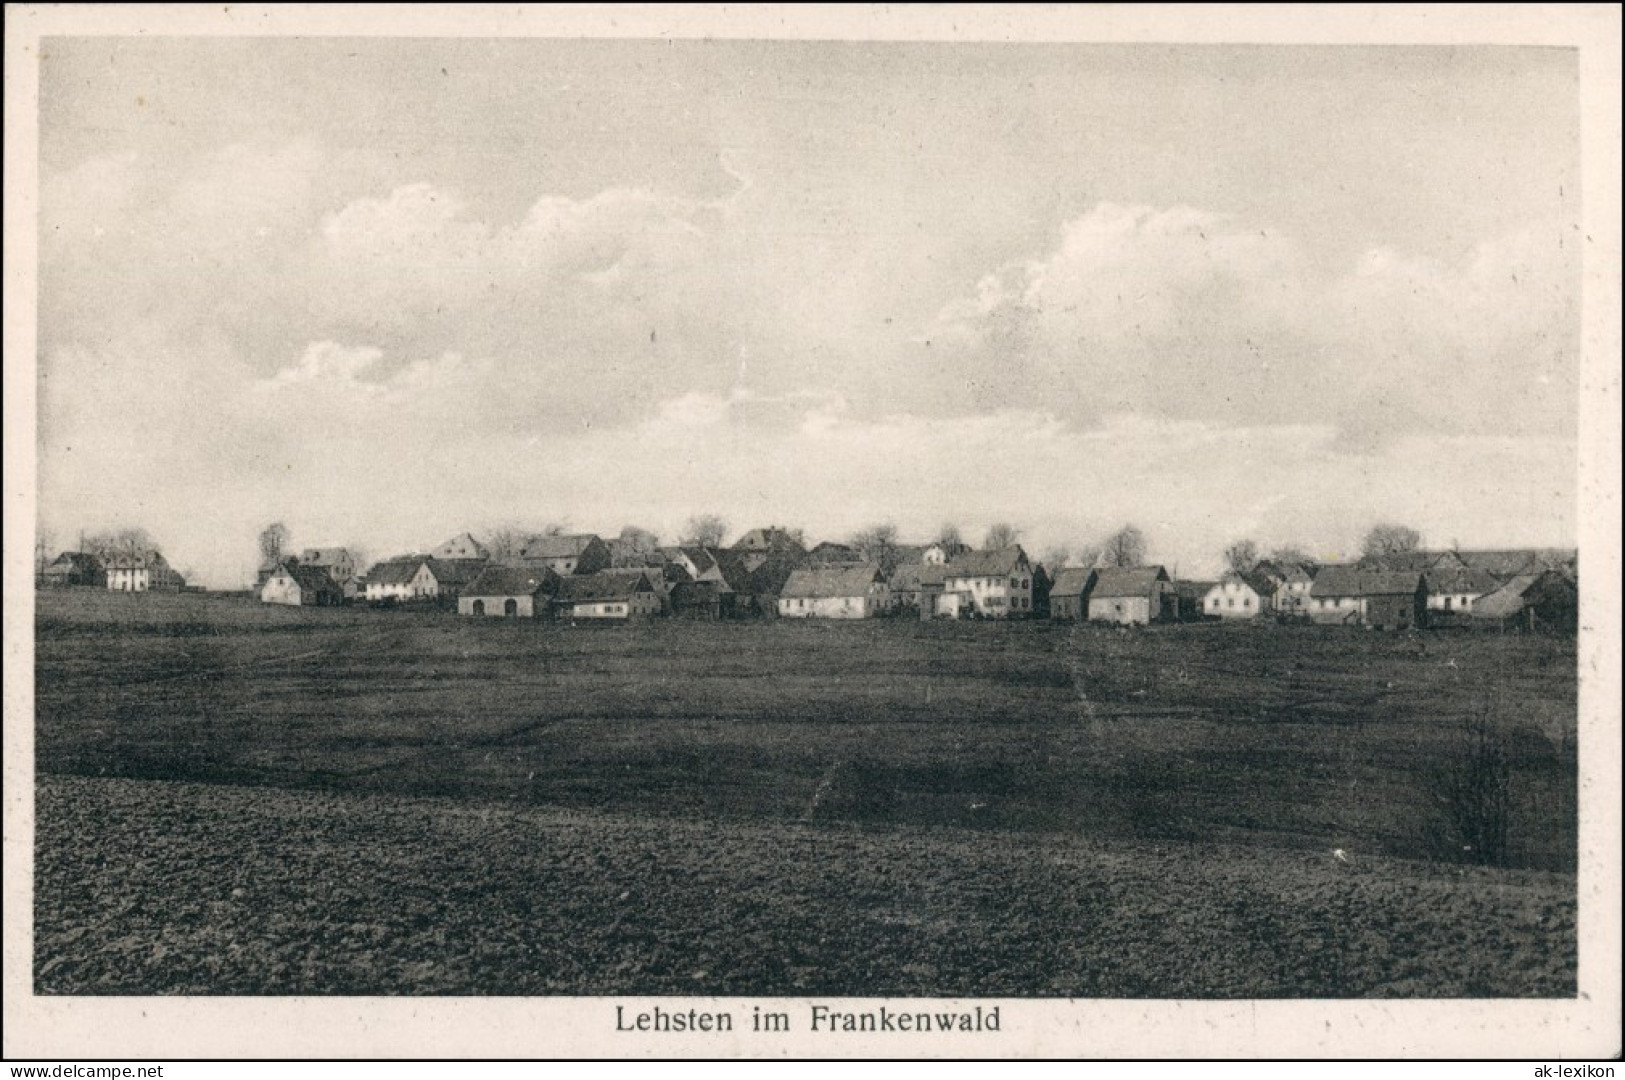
x=917, y=531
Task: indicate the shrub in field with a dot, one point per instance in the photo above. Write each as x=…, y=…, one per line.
x=1473, y=787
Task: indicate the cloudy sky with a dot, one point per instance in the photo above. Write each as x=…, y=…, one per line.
x=384, y=291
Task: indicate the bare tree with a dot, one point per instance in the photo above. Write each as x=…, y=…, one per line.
x=42, y=551
x=798, y=534
x=128, y=541
x=706, y=530
x=555, y=528
x=1000, y=534
x=1390, y=539
x=273, y=541
x=1241, y=556
x=1125, y=547
x=636, y=548
x=877, y=544
x=948, y=536
x=1088, y=555
x=1288, y=554
x=1055, y=557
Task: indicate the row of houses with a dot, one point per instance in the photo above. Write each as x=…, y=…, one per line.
x=1538, y=589
x=769, y=572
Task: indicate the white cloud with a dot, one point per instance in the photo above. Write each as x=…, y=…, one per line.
x=1184, y=313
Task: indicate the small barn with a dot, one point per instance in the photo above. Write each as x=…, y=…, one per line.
x=579, y=553
x=74, y=568
x=1545, y=601
x=1130, y=595
x=1457, y=589
x=395, y=580
x=508, y=592
x=835, y=592
x=297, y=585
x=914, y=587
x=1352, y=595
x=1068, y=592
x=607, y=594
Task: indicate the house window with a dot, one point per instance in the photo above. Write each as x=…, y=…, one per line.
x=1015, y=583
x=1447, y=603
x=1246, y=602
x=1230, y=601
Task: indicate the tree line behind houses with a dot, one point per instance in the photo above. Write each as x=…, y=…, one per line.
x=774, y=571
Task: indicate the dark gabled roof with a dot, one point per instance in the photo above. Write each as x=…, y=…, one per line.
x=469, y=537
x=700, y=558
x=558, y=547
x=1071, y=581
x=77, y=562
x=986, y=563
x=141, y=560
x=1194, y=590
x=324, y=556
x=828, y=581
x=771, y=538
x=1405, y=560
x=604, y=585
x=1360, y=581
x=1511, y=598
x=831, y=552
x=511, y=581
x=1261, y=583
x=912, y=576
x=1512, y=563
x=395, y=571
x=310, y=578
x=1287, y=572
x=1462, y=580
x=1114, y=581
x=455, y=572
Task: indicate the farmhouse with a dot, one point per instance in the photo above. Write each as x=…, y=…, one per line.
x=915, y=587
x=1241, y=595
x=142, y=572
x=1131, y=594
x=699, y=563
x=508, y=592
x=1546, y=600
x=607, y=594
x=835, y=592
x=700, y=599
x=1391, y=599
x=300, y=585
x=1190, y=598
x=579, y=553
x=1292, y=582
x=757, y=546
x=396, y=579
x=989, y=584
x=74, y=568
x=1067, y=594
x=340, y=564
x=461, y=546
x=1458, y=589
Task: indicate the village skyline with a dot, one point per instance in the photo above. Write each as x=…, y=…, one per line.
x=389, y=290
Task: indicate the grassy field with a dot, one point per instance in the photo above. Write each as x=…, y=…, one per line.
x=1188, y=781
